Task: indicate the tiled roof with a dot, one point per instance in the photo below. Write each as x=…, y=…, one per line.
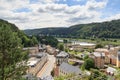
x=41, y=54
x=62, y=54
x=48, y=78
x=69, y=68
x=112, y=56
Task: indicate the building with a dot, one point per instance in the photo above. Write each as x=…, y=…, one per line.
x=36, y=62
x=66, y=69
x=113, y=59
x=75, y=47
x=52, y=51
x=62, y=57
x=111, y=55
x=114, y=50
x=107, y=59
x=42, y=48
x=31, y=50
x=99, y=59
x=118, y=59
x=102, y=50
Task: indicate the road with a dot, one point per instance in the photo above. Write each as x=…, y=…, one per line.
x=47, y=68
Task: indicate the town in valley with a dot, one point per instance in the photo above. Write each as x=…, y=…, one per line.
x=59, y=39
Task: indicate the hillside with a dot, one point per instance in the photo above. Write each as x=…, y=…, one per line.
x=109, y=29
x=50, y=31
x=25, y=40
x=12, y=26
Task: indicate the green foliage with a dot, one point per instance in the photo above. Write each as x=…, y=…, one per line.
x=66, y=50
x=89, y=63
x=82, y=67
x=86, y=57
x=59, y=78
x=93, y=30
x=10, y=52
x=52, y=72
x=117, y=76
x=97, y=75
x=32, y=41
x=65, y=40
x=26, y=41
x=99, y=46
x=66, y=77
x=48, y=40
x=61, y=46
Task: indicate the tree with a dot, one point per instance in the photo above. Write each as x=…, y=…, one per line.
x=98, y=46
x=89, y=63
x=34, y=39
x=10, y=52
x=25, y=41
x=66, y=50
x=61, y=47
x=86, y=57
x=65, y=40
x=48, y=40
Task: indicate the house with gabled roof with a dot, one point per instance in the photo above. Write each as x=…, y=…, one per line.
x=62, y=57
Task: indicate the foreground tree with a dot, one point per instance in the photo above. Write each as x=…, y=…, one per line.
x=10, y=52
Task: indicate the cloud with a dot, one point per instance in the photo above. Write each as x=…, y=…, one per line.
x=93, y=5
x=55, y=7
x=48, y=13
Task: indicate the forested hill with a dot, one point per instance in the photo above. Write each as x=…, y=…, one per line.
x=26, y=40
x=12, y=26
x=109, y=29
x=46, y=31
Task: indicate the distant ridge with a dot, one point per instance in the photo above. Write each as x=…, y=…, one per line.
x=109, y=29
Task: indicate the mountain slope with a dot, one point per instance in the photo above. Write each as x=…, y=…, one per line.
x=109, y=29
x=12, y=26
x=45, y=31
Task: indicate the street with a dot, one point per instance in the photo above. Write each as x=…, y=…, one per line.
x=47, y=68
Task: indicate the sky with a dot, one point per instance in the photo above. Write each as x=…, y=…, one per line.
x=32, y=14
